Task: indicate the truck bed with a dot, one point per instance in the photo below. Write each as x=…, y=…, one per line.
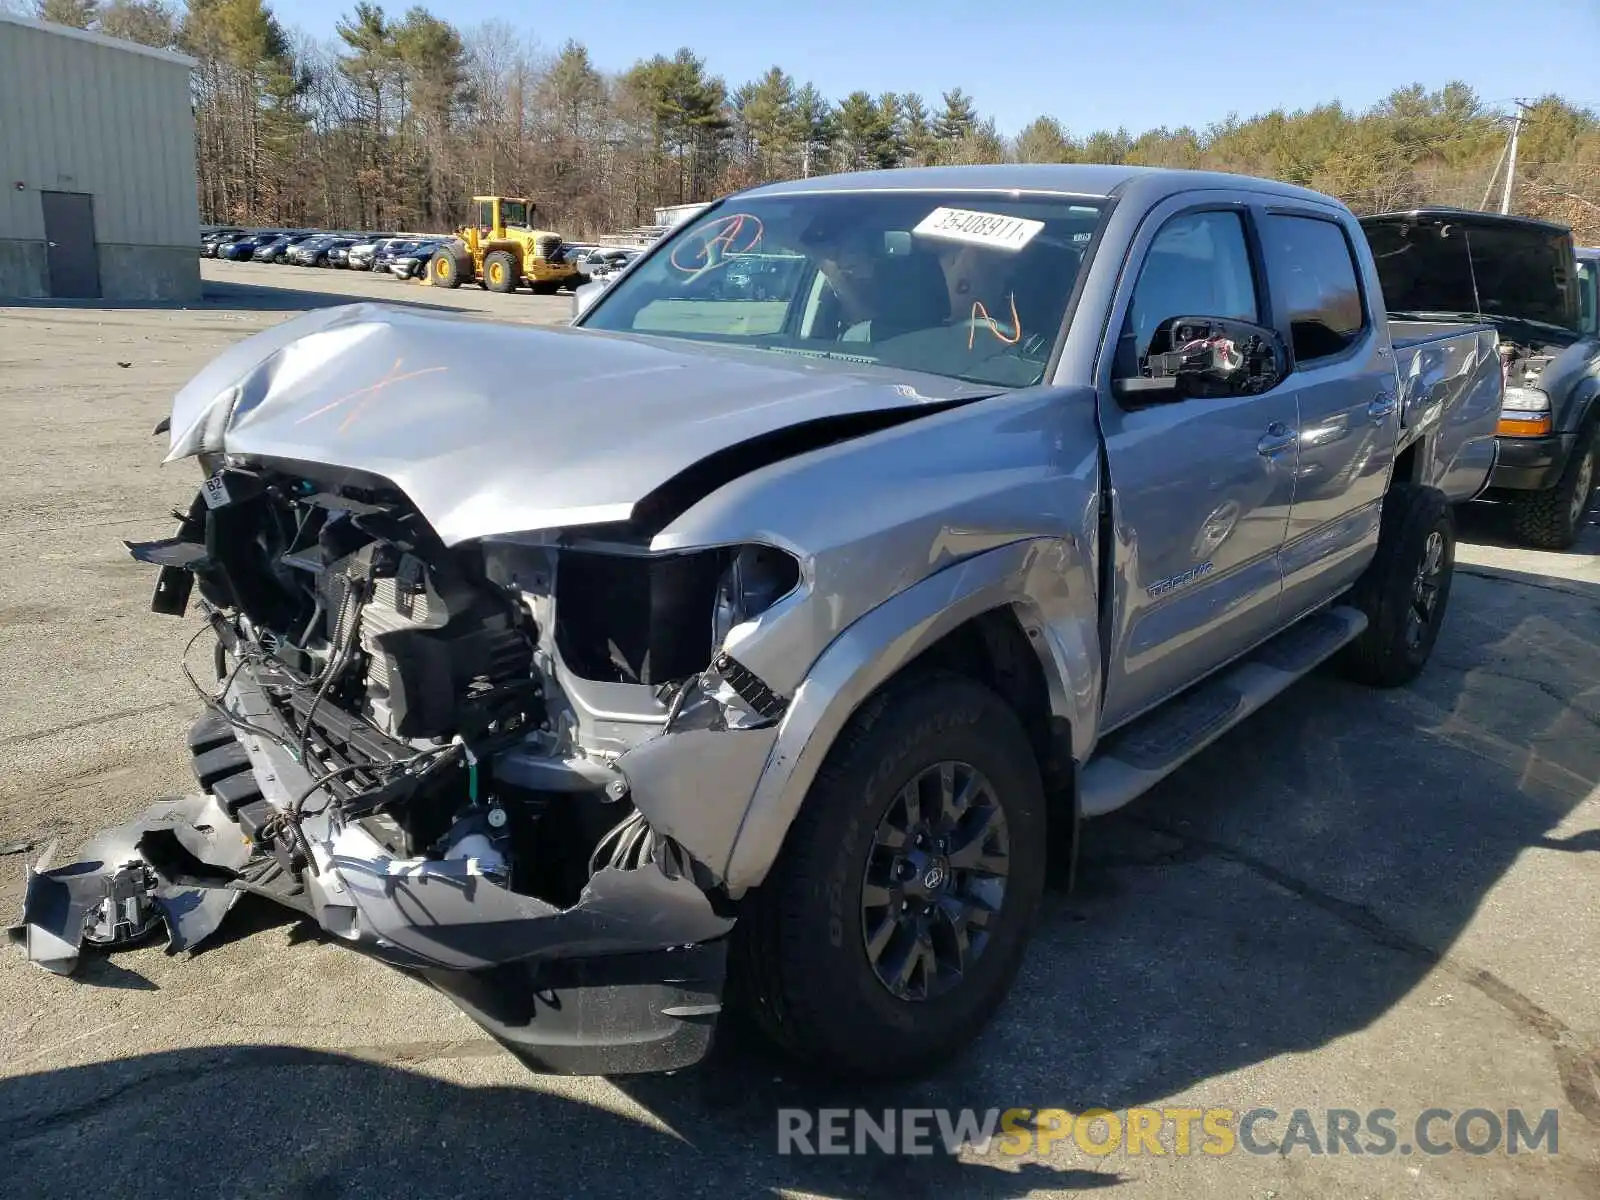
x=1450, y=393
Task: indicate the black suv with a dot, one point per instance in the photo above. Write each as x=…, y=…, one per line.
x=1527, y=279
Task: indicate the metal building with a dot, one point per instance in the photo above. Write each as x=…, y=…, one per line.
x=97, y=167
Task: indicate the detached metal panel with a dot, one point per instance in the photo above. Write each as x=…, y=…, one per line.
x=84, y=113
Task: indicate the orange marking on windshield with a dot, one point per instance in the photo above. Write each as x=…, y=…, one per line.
x=980, y=313
x=736, y=233
x=372, y=389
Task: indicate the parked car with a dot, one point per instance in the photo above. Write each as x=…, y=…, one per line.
x=607, y=262
x=242, y=249
x=412, y=259
x=360, y=255
x=387, y=251
x=265, y=250
x=211, y=239
x=298, y=254
x=314, y=252
x=338, y=253
x=277, y=250
x=790, y=647
x=1525, y=278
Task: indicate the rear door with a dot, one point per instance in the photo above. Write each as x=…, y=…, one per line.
x=71, y=255
x=1201, y=488
x=1344, y=378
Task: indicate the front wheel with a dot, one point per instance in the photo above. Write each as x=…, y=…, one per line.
x=1553, y=519
x=895, y=919
x=1405, y=589
x=500, y=271
x=447, y=269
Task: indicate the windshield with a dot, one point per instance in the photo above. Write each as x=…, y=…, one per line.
x=967, y=285
x=1587, y=307
x=513, y=212
x=1522, y=272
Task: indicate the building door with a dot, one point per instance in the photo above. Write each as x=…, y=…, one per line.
x=70, y=252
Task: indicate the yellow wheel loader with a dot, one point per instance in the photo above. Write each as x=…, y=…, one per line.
x=504, y=251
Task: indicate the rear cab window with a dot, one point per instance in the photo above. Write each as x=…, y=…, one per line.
x=1316, y=284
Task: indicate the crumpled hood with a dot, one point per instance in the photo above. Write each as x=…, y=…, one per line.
x=493, y=428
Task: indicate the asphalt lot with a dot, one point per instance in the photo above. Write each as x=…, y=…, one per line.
x=1359, y=900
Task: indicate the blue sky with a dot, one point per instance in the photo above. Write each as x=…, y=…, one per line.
x=1140, y=64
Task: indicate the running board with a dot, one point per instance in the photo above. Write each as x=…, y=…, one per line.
x=1138, y=756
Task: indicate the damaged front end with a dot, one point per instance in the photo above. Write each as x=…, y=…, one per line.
x=513, y=767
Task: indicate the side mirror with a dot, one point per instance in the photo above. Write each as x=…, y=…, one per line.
x=1213, y=357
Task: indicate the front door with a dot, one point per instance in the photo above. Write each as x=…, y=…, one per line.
x=71, y=255
x=1345, y=379
x=1202, y=488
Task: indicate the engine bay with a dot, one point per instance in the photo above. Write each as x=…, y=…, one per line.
x=466, y=702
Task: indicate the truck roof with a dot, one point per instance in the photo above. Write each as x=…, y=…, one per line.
x=1589, y=253
x=1467, y=216
x=1089, y=180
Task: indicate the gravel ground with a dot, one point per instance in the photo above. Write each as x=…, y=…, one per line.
x=1357, y=901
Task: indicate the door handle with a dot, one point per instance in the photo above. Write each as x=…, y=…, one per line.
x=1279, y=437
x=1382, y=407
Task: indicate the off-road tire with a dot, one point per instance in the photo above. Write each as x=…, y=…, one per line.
x=447, y=269
x=1553, y=519
x=1385, y=655
x=500, y=271
x=800, y=959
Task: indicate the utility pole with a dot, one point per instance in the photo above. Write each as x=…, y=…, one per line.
x=1488, y=188
x=1511, y=156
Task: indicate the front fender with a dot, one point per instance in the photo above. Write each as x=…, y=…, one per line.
x=1581, y=401
x=1048, y=582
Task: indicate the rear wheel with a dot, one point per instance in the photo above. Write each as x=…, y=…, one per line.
x=895, y=919
x=1553, y=519
x=447, y=270
x=1405, y=589
x=500, y=271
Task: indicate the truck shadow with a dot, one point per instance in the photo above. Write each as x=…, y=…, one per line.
x=263, y=1120
x=1287, y=888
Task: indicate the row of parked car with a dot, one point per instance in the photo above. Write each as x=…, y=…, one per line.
x=399, y=254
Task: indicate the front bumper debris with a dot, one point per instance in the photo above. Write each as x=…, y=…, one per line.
x=111, y=897
x=628, y=979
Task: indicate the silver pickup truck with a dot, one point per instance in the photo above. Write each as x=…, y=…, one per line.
x=766, y=639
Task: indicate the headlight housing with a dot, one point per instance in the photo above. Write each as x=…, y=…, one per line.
x=1525, y=412
x=756, y=579
x=1526, y=399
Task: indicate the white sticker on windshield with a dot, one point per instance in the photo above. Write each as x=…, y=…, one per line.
x=979, y=228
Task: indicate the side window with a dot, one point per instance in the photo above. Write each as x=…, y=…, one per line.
x=1314, y=282
x=1198, y=266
